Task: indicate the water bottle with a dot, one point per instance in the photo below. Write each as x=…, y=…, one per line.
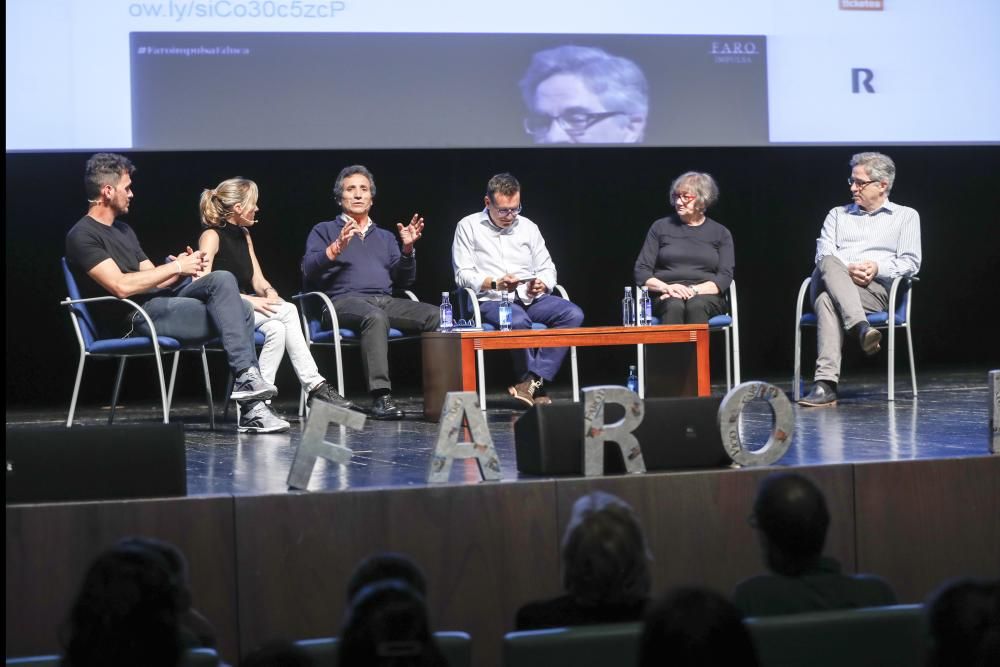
x=504, y=311
x=633, y=379
x=645, y=309
x=628, y=309
x=446, y=320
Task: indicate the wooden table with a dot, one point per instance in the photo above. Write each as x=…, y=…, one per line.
x=449, y=358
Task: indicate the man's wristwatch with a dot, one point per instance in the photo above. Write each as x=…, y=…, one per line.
x=493, y=284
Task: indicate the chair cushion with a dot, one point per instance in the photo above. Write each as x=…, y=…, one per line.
x=132, y=345
x=717, y=322
x=875, y=319
x=347, y=335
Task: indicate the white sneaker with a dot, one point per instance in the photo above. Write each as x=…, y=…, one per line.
x=250, y=385
x=258, y=418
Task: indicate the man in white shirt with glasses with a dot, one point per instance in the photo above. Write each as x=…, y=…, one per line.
x=498, y=250
x=863, y=246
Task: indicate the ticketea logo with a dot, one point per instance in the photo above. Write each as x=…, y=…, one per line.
x=866, y=5
x=734, y=51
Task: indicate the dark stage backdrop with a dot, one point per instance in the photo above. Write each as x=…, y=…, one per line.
x=594, y=206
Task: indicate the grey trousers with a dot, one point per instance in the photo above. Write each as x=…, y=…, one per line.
x=372, y=315
x=208, y=307
x=839, y=304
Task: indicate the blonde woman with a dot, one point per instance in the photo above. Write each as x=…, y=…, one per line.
x=228, y=212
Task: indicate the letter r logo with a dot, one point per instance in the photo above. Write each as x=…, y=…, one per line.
x=862, y=76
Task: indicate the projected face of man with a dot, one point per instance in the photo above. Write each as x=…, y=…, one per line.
x=577, y=114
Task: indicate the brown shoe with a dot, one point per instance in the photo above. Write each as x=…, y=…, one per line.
x=525, y=391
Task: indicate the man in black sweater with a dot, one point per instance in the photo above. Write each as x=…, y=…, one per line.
x=357, y=265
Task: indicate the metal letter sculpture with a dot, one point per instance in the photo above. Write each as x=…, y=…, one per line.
x=460, y=406
x=596, y=433
x=995, y=411
x=781, y=435
x=313, y=441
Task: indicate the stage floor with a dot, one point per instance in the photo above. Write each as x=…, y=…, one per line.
x=949, y=419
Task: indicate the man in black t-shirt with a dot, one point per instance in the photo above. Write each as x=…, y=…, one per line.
x=104, y=254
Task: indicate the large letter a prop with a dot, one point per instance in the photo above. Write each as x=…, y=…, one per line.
x=461, y=407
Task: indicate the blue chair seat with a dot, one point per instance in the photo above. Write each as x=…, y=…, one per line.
x=535, y=326
x=137, y=345
x=900, y=302
x=727, y=323
x=311, y=307
x=91, y=345
x=348, y=335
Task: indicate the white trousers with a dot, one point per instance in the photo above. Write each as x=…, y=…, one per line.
x=283, y=331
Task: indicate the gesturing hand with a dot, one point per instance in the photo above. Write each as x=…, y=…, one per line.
x=411, y=232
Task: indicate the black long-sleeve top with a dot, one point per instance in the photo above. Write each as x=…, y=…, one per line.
x=678, y=253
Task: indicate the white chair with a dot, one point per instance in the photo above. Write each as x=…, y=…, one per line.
x=468, y=300
x=154, y=345
x=728, y=323
x=311, y=307
x=900, y=302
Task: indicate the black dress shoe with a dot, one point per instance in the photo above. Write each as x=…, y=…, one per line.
x=325, y=393
x=869, y=338
x=822, y=395
x=384, y=407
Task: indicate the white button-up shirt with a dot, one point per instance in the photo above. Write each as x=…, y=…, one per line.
x=481, y=250
x=889, y=236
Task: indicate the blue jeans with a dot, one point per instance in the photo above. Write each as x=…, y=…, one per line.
x=552, y=311
x=203, y=309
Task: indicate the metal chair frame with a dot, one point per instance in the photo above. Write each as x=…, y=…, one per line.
x=894, y=317
x=471, y=297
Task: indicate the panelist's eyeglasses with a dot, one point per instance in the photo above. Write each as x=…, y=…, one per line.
x=504, y=212
x=686, y=197
x=572, y=122
x=860, y=184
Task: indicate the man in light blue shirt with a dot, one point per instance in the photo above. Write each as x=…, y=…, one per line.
x=498, y=250
x=863, y=246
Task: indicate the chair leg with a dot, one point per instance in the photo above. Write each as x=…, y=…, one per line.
x=641, y=368
x=340, y=369
x=481, y=372
x=229, y=392
x=913, y=369
x=208, y=390
x=729, y=366
x=118, y=386
x=737, y=378
x=173, y=379
x=163, y=387
x=797, y=375
x=76, y=390
x=576, y=375
x=892, y=360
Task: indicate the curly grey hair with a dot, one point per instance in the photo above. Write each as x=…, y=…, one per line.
x=879, y=166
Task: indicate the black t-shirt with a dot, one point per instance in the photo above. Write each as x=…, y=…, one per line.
x=678, y=253
x=89, y=243
x=234, y=255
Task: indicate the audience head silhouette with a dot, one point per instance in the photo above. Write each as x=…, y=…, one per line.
x=387, y=626
x=605, y=557
x=125, y=613
x=791, y=516
x=695, y=627
x=382, y=566
x=964, y=621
